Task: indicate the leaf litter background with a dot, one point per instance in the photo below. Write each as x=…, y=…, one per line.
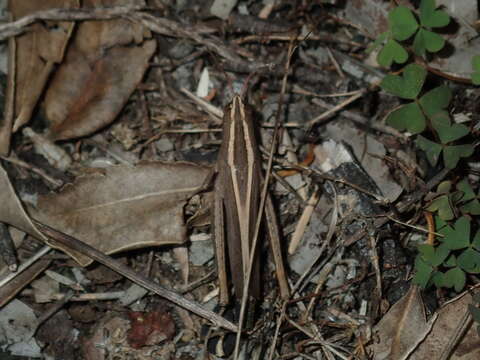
x=100, y=141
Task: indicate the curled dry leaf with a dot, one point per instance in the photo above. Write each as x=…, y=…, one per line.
x=125, y=208
x=102, y=67
x=401, y=329
x=32, y=57
x=12, y=212
x=452, y=323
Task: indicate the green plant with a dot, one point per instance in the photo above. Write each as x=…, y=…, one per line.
x=457, y=252
x=430, y=18
x=425, y=115
x=451, y=153
x=402, y=25
x=451, y=200
x=412, y=116
x=470, y=202
x=445, y=202
x=428, y=109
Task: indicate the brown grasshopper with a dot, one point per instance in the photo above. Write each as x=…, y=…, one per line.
x=237, y=199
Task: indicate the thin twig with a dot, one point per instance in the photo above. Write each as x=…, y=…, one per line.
x=155, y=24
x=21, y=25
x=299, y=90
x=214, y=111
x=303, y=222
x=177, y=131
x=277, y=329
x=336, y=108
x=192, y=286
x=6, y=279
x=87, y=250
x=378, y=274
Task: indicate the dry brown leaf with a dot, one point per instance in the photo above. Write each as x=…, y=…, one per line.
x=32, y=57
x=450, y=319
x=125, y=208
x=12, y=212
x=102, y=67
x=402, y=328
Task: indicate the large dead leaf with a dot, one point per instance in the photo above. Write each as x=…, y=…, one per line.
x=123, y=208
x=449, y=325
x=102, y=67
x=32, y=57
x=404, y=333
x=402, y=328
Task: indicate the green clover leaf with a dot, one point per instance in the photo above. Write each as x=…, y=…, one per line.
x=469, y=260
x=454, y=278
x=453, y=153
x=440, y=224
x=427, y=251
x=442, y=204
x=425, y=40
x=444, y=230
x=423, y=272
x=441, y=254
x=459, y=238
x=476, y=241
x=433, y=256
x=432, y=149
x=470, y=200
x=435, y=100
x=408, y=85
x=451, y=261
x=431, y=18
x=468, y=193
x=402, y=23
x=392, y=52
x=446, y=131
x=438, y=279
x=411, y=117
x=407, y=117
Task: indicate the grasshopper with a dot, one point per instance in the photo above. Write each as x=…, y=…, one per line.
x=237, y=193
